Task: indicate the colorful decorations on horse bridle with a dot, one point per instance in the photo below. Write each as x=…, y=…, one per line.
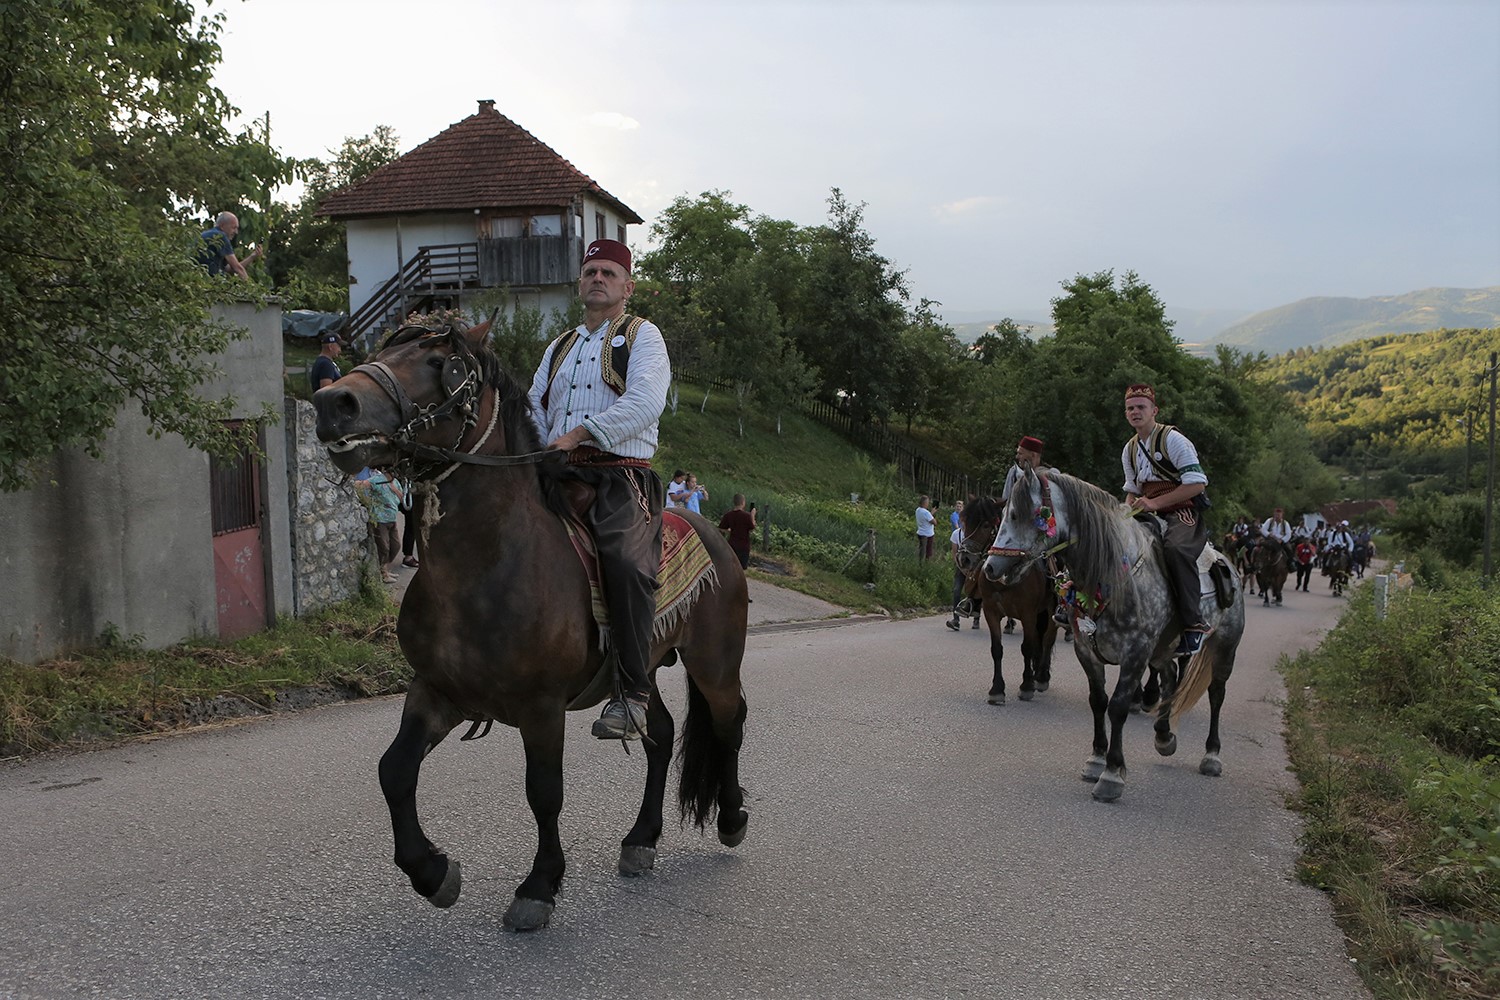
x=1045, y=521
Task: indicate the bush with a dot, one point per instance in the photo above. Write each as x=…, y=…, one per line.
x=1435, y=662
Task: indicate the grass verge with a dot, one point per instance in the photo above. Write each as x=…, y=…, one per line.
x=120, y=690
x=1393, y=727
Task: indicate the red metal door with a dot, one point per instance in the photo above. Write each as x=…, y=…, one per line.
x=239, y=555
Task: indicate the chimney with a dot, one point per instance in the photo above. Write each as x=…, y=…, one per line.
x=486, y=106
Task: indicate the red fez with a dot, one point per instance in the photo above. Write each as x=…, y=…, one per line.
x=1031, y=444
x=612, y=250
x=1141, y=389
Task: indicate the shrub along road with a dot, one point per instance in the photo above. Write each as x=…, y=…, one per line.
x=906, y=840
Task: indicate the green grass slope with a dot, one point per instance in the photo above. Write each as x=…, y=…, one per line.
x=801, y=479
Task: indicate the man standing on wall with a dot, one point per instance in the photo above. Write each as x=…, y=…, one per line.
x=216, y=248
x=598, y=395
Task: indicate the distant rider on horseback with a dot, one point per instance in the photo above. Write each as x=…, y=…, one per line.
x=1278, y=527
x=1163, y=476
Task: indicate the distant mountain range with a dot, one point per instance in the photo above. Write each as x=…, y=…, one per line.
x=1316, y=322
x=1324, y=322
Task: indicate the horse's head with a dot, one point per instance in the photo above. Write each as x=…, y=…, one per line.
x=383, y=412
x=1027, y=530
x=978, y=523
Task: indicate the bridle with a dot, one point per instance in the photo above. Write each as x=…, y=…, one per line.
x=463, y=381
x=1046, y=527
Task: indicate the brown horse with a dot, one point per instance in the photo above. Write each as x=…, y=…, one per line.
x=1270, y=562
x=1030, y=600
x=497, y=624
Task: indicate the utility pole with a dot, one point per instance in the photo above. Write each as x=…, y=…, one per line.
x=1468, y=422
x=1489, y=491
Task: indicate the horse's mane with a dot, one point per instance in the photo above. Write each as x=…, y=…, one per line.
x=1099, y=556
x=981, y=512
x=521, y=434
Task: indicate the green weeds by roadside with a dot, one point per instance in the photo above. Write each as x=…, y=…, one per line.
x=119, y=689
x=1392, y=729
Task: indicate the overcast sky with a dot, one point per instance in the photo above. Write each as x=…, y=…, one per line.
x=1237, y=156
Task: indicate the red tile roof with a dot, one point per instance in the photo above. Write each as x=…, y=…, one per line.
x=485, y=161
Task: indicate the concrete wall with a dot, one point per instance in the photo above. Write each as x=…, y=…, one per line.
x=126, y=541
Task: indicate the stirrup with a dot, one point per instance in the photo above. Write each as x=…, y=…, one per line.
x=622, y=719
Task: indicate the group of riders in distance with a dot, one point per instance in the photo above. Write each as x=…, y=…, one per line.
x=1267, y=553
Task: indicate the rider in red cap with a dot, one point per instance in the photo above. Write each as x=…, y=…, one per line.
x=598, y=395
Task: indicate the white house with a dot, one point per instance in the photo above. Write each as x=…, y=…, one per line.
x=482, y=205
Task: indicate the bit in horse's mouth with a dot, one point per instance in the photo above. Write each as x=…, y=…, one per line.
x=354, y=441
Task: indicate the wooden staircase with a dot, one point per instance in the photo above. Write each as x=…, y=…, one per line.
x=436, y=276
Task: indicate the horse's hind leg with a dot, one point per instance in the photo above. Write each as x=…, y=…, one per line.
x=536, y=897
x=709, y=756
x=1211, y=765
x=638, y=850
x=431, y=872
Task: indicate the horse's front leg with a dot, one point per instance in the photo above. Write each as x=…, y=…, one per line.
x=1111, y=784
x=638, y=850
x=1046, y=632
x=542, y=733
x=993, y=616
x=1165, y=739
x=423, y=727
x=1029, y=657
x=1098, y=703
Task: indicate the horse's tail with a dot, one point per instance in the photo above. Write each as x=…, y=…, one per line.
x=703, y=758
x=1200, y=674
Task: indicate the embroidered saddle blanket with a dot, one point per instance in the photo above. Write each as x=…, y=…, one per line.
x=686, y=570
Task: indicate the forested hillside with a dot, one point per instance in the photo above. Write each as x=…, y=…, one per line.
x=1393, y=403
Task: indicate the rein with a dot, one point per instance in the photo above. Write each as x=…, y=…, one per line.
x=463, y=381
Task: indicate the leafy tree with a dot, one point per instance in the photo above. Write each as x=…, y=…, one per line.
x=849, y=312
x=112, y=140
x=310, y=266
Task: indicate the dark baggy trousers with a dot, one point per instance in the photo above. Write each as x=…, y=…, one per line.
x=1186, y=535
x=629, y=546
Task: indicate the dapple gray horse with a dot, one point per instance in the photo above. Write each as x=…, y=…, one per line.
x=1116, y=562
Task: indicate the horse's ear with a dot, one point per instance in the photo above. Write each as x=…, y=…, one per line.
x=477, y=333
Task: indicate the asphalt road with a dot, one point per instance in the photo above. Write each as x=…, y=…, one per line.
x=906, y=840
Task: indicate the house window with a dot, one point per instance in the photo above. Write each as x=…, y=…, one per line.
x=507, y=228
x=620, y=233
x=546, y=225
x=599, y=226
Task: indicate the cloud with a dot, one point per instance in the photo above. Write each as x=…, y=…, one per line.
x=614, y=120
x=966, y=208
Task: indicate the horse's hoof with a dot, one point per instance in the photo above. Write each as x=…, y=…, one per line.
x=732, y=838
x=998, y=698
x=1211, y=766
x=527, y=914
x=1109, y=787
x=447, y=893
x=1137, y=707
x=1093, y=768
x=1042, y=686
x=1167, y=747
x=636, y=859
x=1026, y=695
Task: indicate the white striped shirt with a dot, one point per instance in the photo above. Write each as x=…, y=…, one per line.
x=621, y=425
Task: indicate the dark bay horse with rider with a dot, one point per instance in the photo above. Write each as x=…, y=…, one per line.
x=504, y=621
